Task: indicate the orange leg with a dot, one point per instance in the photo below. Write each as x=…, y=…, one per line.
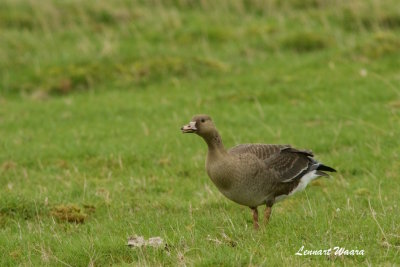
x=267, y=214
x=255, y=218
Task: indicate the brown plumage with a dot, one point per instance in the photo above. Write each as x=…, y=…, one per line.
x=255, y=174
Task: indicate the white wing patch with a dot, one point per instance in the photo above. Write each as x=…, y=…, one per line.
x=294, y=176
x=304, y=181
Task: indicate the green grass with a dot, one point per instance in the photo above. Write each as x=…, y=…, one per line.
x=92, y=96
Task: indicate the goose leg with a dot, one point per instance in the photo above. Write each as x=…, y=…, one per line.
x=267, y=214
x=255, y=218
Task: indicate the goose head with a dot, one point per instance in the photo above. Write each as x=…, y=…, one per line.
x=201, y=125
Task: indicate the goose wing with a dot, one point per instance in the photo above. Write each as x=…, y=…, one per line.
x=261, y=151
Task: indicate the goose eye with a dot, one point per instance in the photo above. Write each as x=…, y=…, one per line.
x=202, y=120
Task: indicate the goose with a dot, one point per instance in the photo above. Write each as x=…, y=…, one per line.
x=255, y=174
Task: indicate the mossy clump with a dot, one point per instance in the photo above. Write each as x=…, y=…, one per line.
x=89, y=209
x=305, y=42
x=72, y=78
x=362, y=20
x=17, y=206
x=151, y=70
x=69, y=213
x=381, y=44
x=354, y=20
x=390, y=21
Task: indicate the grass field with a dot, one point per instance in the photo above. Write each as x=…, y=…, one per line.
x=93, y=94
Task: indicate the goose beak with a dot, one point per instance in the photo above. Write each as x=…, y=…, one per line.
x=189, y=128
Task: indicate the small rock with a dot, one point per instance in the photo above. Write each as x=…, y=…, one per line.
x=136, y=241
x=139, y=241
x=155, y=241
x=363, y=72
